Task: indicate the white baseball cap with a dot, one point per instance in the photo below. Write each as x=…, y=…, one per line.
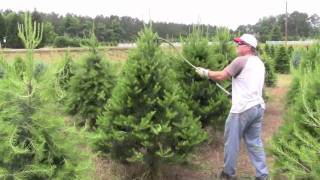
x=246, y=39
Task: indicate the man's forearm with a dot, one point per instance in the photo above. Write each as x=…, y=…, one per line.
x=218, y=75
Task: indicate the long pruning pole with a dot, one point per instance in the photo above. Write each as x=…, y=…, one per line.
x=193, y=66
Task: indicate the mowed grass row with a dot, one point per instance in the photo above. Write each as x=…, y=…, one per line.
x=57, y=54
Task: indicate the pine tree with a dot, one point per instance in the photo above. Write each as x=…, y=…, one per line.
x=145, y=121
x=35, y=144
x=282, y=63
x=290, y=51
x=272, y=52
x=90, y=86
x=65, y=71
x=259, y=50
x=270, y=76
x=19, y=66
x=311, y=57
x=204, y=98
x=267, y=49
x=223, y=46
x=294, y=88
x=296, y=57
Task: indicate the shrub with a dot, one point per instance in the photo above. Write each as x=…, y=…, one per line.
x=63, y=41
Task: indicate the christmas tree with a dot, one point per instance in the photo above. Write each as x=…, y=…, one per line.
x=270, y=76
x=282, y=63
x=204, y=98
x=90, y=86
x=145, y=121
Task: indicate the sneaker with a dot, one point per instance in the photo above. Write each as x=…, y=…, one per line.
x=225, y=176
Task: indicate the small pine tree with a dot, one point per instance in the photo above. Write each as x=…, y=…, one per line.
x=282, y=63
x=19, y=66
x=311, y=57
x=296, y=58
x=290, y=51
x=3, y=65
x=145, y=121
x=90, y=87
x=267, y=49
x=65, y=71
x=294, y=89
x=223, y=46
x=270, y=76
x=39, y=69
x=272, y=52
x=260, y=50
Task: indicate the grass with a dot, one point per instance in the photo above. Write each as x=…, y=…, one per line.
x=53, y=55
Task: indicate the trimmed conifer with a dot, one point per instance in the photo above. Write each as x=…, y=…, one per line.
x=290, y=51
x=270, y=76
x=311, y=57
x=146, y=121
x=282, y=62
x=272, y=52
x=19, y=66
x=65, y=70
x=90, y=86
x=204, y=98
x=267, y=49
x=65, y=73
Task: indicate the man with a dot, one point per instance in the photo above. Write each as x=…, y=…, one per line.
x=245, y=117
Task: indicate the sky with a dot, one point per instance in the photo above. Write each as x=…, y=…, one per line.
x=228, y=13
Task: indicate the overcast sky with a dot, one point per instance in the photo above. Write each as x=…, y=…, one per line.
x=230, y=13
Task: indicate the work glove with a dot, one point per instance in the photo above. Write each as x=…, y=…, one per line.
x=204, y=73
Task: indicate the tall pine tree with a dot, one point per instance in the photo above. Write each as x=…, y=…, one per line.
x=145, y=121
x=205, y=99
x=35, y=143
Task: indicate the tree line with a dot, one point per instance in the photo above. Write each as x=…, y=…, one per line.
x=300, y=26
x=69, y=30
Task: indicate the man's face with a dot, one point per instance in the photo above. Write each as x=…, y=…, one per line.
x=243, y=49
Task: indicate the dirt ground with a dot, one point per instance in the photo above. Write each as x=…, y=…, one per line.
x=209, y=159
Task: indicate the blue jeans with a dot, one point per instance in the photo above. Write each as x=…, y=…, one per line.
x=248, y=125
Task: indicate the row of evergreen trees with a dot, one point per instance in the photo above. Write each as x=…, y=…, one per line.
x=296, y=146
x=281, y=56
x=155, y=112
x=143, y=117
x=150, y=118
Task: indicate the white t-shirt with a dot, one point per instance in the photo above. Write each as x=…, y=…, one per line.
x=248, y=73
